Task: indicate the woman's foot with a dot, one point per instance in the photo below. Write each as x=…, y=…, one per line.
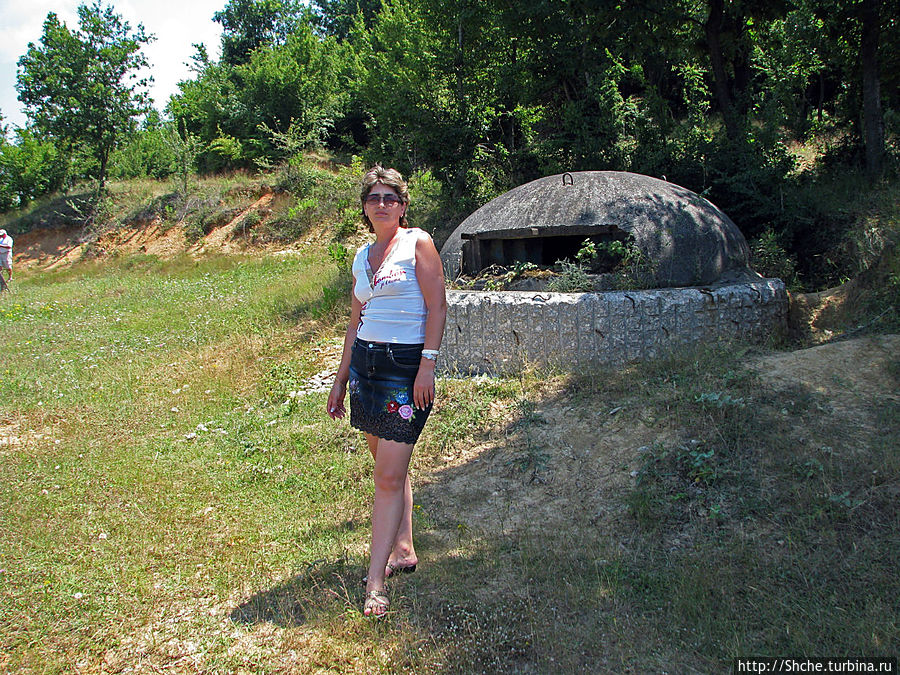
x=376, y=604
x=396, y=567
x=400, y=567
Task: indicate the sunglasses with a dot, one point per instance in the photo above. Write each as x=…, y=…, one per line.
x=389, y=200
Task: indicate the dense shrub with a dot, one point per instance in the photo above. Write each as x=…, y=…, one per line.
x=29, y=168
x=769, y=258
x=146, y=153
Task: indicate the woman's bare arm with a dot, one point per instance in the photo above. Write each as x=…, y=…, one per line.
x=339, y=390
x=430, y=273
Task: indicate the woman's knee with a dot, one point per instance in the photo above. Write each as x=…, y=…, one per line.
x=391, y=466
x=390, y=479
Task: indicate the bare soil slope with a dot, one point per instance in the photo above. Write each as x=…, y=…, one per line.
x=47, y=249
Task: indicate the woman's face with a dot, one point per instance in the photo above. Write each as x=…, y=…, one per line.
x=383, y=205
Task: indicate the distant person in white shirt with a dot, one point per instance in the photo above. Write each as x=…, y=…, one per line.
x=6, y=244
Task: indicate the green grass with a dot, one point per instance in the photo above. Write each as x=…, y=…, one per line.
x=110, y=491
x=166, y=504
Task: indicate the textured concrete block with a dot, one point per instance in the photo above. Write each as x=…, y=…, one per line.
x=501, y=331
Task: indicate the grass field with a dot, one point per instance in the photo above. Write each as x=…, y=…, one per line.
x=170, y=503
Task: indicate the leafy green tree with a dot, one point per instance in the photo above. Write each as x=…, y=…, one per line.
x=439, y=83
x=200, y=60
x=401, y=83
x=856, y=48
x=146, y=152
x=294, y=84
x=492, y=93
x=82, y=87
x=185, y=150
x=791, y=54
x=234, y=110
x=209, y=104
x=250, y=24
x=338, y=17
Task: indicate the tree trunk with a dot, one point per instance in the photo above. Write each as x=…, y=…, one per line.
x=821, y=96
x=873, y=117
x=103, y=158
x=713, y=29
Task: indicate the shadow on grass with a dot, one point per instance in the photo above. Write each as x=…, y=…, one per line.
x=440, y=610
x=316, y=592
x=748, y=527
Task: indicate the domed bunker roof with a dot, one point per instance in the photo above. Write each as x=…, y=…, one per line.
x=687, y=239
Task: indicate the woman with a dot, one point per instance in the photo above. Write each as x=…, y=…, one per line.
x=397, y=312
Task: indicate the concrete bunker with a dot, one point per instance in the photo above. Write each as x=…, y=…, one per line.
x=703, y=289
x=688, y=240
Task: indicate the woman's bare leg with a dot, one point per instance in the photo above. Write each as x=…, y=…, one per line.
x=403, y=553
x=391, y=466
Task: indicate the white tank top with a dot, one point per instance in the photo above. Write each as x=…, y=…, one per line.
x=393, y=307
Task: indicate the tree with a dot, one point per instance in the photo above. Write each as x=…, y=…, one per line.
x=250, y=24
x=294, y=84
x=291, y=87
x=873, y=117
x=147, y=152
x=82, y=87
x=857, y=45
x=337, y=17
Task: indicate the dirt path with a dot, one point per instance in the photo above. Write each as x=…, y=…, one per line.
x=845, y=371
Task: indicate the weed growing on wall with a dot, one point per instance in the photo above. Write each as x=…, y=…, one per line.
x=571, y=278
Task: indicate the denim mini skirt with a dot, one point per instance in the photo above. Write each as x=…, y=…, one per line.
x=381, y=390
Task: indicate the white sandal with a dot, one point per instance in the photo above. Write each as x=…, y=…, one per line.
x=376, y=600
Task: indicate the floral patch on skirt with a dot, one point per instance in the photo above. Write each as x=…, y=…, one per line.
x=381, y=390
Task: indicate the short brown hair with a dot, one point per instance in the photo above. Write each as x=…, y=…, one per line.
x=390, y=177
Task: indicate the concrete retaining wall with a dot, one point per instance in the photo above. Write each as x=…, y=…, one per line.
x=499, y=332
